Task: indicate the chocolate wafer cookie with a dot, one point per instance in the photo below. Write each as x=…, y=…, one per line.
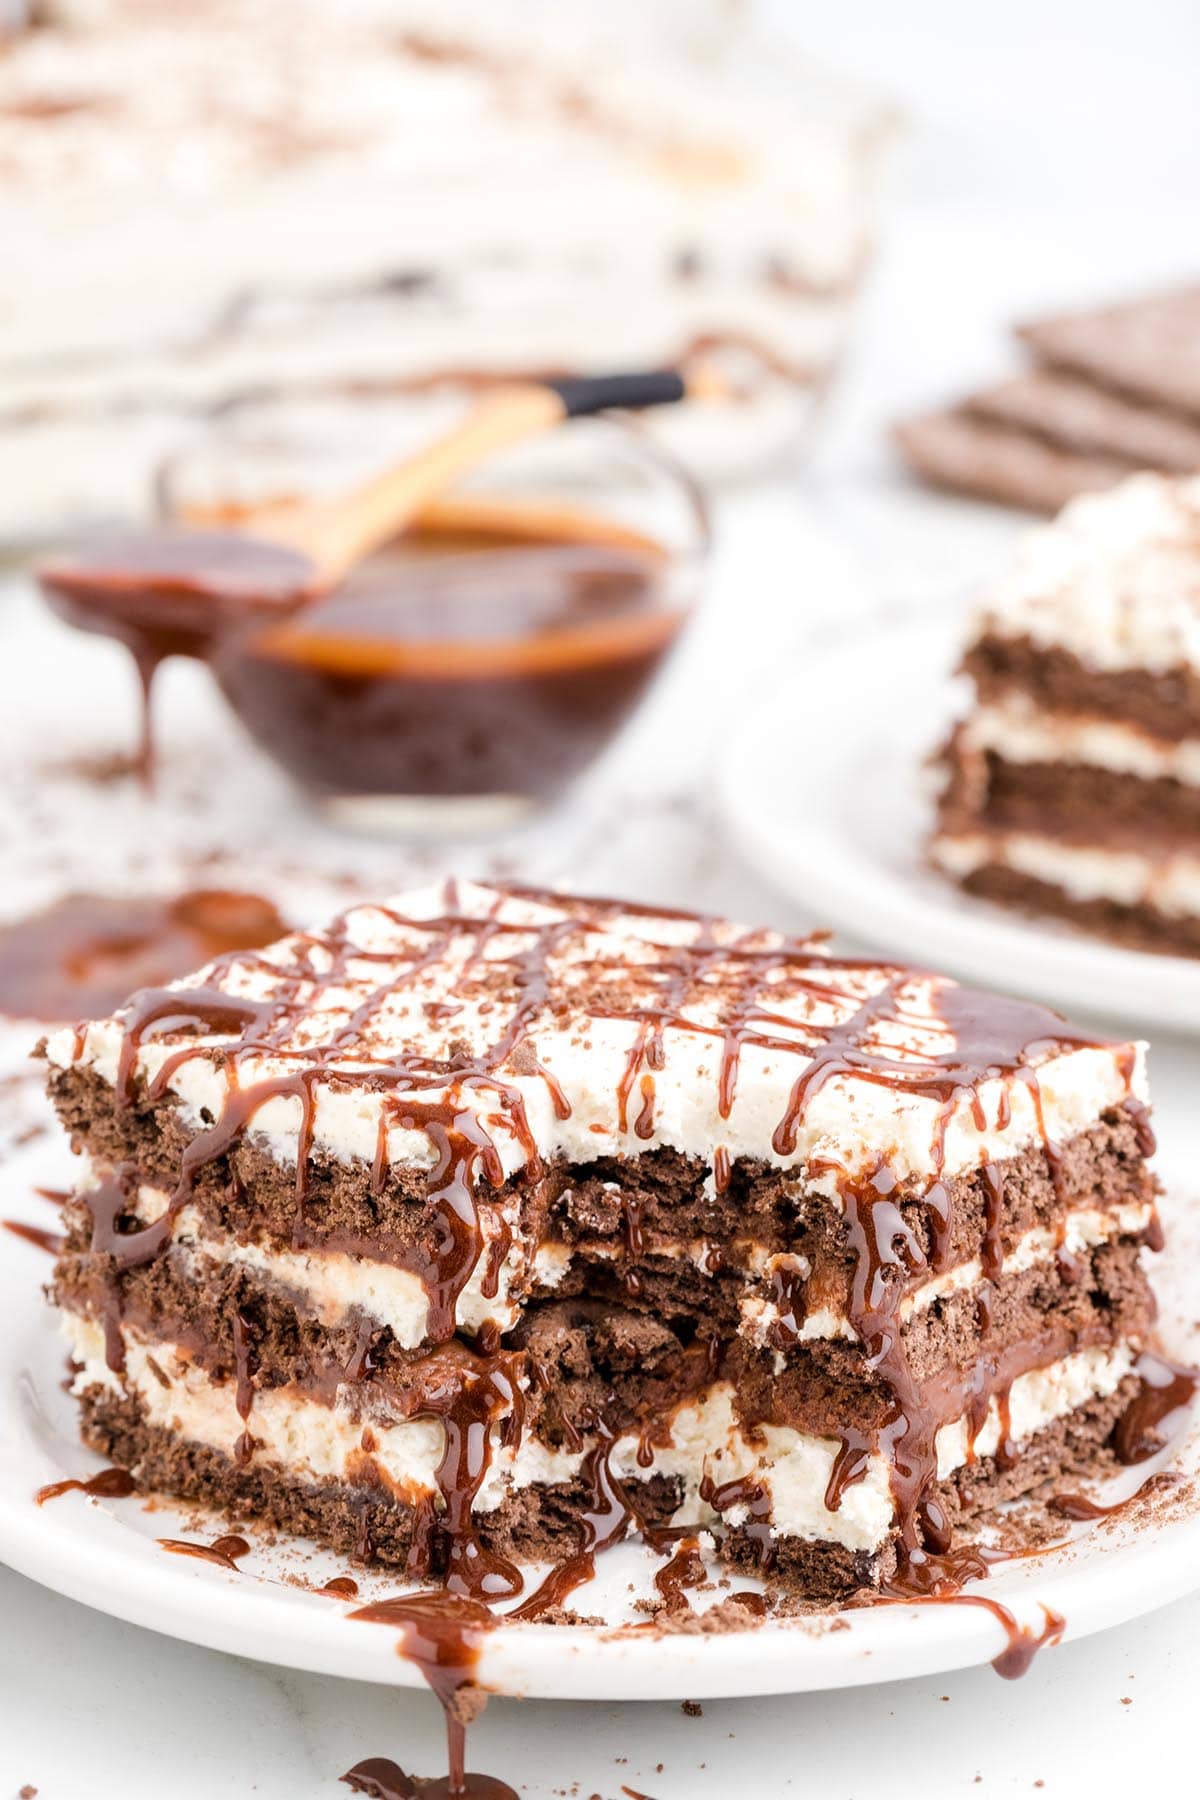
x=970, y=453
x=1148, y=348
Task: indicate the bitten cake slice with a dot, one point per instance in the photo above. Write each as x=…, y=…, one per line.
x=488, y=1224
x=1073, y=785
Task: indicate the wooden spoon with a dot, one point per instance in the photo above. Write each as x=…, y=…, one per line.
x=296, y=551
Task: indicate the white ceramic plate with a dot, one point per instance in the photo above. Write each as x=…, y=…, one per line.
x=823, y=791
x=106, y=1554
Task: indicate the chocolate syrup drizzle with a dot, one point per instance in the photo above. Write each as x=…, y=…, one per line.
x=912, y=1034
x=50, y=1241
x=1081, y=1508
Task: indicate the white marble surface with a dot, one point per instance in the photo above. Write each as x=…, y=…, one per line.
x=1016, y=192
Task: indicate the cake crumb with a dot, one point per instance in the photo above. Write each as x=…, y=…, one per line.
x=692, y=1708
x=28, y=1792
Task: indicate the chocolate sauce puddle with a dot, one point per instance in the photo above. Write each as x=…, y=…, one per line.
x=381, y=1779
x=442, y=1635
x=82, y=956
x=109, y=1484
x=342, y=1587
x=223, y=1551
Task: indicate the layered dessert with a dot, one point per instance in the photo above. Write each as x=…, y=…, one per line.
x=491, y=1224
x=1073, y=785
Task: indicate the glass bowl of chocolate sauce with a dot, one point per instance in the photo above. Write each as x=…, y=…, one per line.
x=468, y=673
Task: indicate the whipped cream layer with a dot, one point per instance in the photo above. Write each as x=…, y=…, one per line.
x=311, y=1442
x=542, y=1026
x=1114, y=580
x=336, y=1287
x=1020, y=732
x=1168, y=884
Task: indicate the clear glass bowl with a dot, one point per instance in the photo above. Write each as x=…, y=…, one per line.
x=467, y=674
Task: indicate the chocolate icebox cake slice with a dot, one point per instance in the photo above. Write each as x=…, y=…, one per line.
x=488, y=1224
x=1073, y=785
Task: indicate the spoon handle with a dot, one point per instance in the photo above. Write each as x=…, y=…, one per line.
x=340, y=533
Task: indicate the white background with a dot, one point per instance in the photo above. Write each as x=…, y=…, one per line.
x=1053, y=156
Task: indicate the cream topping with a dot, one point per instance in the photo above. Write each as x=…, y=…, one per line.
x=609, y=1031
x=1114, y=580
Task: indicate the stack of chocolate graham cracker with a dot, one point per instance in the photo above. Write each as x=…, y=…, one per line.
x=1111, y=391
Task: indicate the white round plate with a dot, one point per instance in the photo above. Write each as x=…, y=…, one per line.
x=824, y=791
x=107, y=1554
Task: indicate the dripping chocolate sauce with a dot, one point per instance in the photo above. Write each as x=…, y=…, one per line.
x=442, y=1635
x=605, y=1520
x=165, y=594
x=244, y=1372
x=1023, y=1644
x=936, y=1576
